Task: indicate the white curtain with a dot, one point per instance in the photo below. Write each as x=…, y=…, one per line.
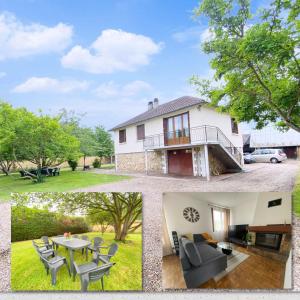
x=220, y=222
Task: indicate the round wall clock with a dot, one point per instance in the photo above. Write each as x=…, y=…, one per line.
x=191, y=214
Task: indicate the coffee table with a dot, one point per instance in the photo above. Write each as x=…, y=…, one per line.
x=226, y=247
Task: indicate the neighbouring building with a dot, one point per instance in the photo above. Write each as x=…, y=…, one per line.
x=181, y=137
x=270, y=137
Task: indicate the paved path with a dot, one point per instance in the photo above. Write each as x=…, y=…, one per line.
x=257, y=177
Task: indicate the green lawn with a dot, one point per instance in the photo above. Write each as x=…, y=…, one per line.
x=296, y=196
x=28, y=273
x=67, y=181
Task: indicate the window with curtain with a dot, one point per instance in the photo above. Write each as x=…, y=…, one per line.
x=220, y=221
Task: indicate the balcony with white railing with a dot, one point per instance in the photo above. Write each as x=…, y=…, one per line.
x=192, y=136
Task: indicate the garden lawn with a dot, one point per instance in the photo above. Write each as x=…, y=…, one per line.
x=296, y=196
x=28, y=272
x=67, y=181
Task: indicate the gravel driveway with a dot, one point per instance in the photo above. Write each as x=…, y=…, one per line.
x=257, y=177
x=4, y=247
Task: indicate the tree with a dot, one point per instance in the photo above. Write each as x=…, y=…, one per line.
x=124, y=208
x=88, y=144
x=86, y=136
x=39, y=139
x=256, y=61
x=9, y=124
x=105, y=145
x=101, y=218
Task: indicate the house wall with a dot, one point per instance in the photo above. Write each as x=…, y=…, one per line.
x=273, y=215
x=204, y=116
x=173, y=206
x=244, y=211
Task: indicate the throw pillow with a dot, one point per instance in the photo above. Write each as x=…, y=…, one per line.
x=198, y=238
x=192, y=252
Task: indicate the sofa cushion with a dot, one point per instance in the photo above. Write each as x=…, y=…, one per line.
x=192, y=252
x=198, y=238
x=206, y=236
x=189, y=236
x=207, y=252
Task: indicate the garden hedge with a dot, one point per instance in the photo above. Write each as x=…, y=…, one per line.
x=31, y=223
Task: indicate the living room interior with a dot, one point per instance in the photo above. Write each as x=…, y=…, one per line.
x=227, y=241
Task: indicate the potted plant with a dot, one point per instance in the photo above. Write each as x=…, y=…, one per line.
x=249, y=238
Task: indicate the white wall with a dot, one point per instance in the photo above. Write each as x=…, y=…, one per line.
x=274, y=215
x=244, y=211
x=288, y=273
x=174, y=204
x=204, y=116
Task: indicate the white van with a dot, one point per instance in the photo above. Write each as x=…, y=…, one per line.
x=269, y=155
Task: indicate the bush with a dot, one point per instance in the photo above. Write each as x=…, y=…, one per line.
x=73, y=164
x=31, y=223
x=97, y=163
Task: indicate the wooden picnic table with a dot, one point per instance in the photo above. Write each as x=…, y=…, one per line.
x=72, y=244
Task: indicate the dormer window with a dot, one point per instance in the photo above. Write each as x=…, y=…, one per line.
x=122, y=136
x=234, y=126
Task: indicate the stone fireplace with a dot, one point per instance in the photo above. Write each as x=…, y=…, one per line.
x=273, y=241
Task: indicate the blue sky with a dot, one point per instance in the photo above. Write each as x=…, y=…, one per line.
x=104, y=59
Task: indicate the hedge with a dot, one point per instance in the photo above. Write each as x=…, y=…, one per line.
x=31, y=223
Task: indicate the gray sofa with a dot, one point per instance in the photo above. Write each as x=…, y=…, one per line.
x=200, y=262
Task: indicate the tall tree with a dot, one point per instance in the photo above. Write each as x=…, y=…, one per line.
x=257, y=59
x=105, y=145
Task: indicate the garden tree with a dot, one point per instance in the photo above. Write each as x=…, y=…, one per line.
x=101, y=218
x=105, y=146
x=7, y=129
x=88, y=144
x=255, y=59
x=125, y=208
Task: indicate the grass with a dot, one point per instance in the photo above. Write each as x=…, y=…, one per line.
x=107, y=166
x=28, y=273
x=67, y=181
x=296, y=195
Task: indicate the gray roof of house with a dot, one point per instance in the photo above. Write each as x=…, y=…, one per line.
x=172, y=106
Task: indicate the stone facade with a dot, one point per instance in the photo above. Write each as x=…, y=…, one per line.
x=131, y=162
x=155, y=161
x=135, y=162
x=216, y=167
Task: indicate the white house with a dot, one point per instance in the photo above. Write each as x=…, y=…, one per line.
x=181, y=137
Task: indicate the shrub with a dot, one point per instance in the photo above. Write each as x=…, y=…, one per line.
x=31, y=223
x=96, y=163
x=73, y=164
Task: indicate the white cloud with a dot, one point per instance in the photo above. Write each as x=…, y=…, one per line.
x=113, y=50
x=18, y=39
x=2, y=74
x=112, y=90
x=47, y=84
x=192, y=33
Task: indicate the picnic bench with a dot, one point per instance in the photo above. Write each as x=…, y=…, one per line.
x=46, y=171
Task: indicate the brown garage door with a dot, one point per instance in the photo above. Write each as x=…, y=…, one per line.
x=180, y=162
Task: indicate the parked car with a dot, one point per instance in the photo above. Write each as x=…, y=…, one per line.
x=269, y=155
x=248, y=158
